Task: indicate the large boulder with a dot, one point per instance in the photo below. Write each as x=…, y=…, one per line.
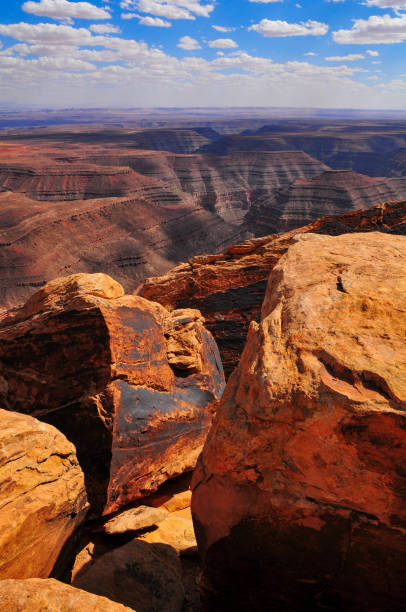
x=229, y=288
x=145, y=577
x=42, y=495
x=36, y=595
x=130, y=384
x=299, y=499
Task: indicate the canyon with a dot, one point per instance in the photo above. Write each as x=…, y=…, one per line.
x=227, y=432
x=134, y=202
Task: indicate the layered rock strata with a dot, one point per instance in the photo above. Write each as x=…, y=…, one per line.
x=42, y=496
x=299, y=498
x=129, y=238
x=330, y=193
x=228, y=186
x=130, y=384
x=229, y=288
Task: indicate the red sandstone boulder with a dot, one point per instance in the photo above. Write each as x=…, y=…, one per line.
x=42, y=496
x=229, y=288
x=299, y=499
x=37, y=595
x=130, y=384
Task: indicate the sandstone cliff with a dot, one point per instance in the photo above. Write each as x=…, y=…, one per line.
x=229, y=288
x=130, y=384
x=299, y=497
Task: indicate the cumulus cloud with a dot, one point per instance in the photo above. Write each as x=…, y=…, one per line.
x=393, y=4
x=47, y=33
x=375, y=30
x=56, y=64
x=104, y=28
x=188, y=43
x=154, y=21
x=372, y=53
x=283, y=29
x=65, y=10
x=223, y=43
x=171, y=9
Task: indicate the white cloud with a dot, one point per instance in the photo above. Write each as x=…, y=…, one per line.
x=188, y=43
x=312, y=53
x=47, y=33
x=65, y=10
x=375, y=30
x=223, y=43
x=372, y=53
x=154, y=21
x=171, y=9
x=283, y=29
x=104, y=28
x=222, y=28
x=60, y=65
x=352, y=57
x=393, y=4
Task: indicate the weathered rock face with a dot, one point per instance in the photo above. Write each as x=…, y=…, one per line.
x=229, y=288
x=42, y=496
x=146, y=577
x=130, y=384
x=50, y=595
x=299, y=498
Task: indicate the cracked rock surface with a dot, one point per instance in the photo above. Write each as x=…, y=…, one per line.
x=299, y=496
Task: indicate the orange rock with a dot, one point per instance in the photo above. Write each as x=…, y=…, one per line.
x=299, y=498
x=42, y=496
x=135, y=519
x=36, y=595
x=130, y=384
x=229, y=288
x=175, y=531
x=145, y=577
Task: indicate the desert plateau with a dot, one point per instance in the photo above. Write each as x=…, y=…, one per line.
x=202, y=306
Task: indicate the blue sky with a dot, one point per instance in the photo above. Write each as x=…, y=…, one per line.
x=322, y=53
